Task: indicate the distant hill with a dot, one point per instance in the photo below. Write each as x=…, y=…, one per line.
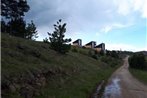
x=30, y=69
x=144, y=52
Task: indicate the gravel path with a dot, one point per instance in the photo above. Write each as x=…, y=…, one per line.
x=123, y=85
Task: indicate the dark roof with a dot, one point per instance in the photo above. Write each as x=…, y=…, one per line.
x=91, y=43
x=76, y=41
x=100, y=45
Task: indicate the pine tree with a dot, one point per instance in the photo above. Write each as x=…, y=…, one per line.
x=31, y=32
x=17, y=27
x=13, y=11
x=3, y=26
x=58, y=43
x=45, y=40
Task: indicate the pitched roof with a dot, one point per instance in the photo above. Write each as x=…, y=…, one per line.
x=100, y=45
x=76, y=41
x=91, y=43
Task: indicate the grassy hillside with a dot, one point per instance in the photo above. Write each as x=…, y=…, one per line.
x=32, y=70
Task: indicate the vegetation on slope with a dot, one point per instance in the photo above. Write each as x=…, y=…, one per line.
x=32, y=70
x=138, y=66
x=138, y=61
x=140, y=75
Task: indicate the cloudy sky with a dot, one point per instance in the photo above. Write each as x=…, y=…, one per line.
x=120, y=24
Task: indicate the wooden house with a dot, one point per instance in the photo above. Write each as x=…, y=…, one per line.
x=78, y=42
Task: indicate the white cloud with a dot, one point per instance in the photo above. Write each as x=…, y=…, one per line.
x=137, y=4
x=123, y=6
x=107, y=28
x=121, y=46
x=141, y=6
x=126, y=7
x=144, y=7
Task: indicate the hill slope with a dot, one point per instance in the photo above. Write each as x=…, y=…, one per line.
x=32, y=70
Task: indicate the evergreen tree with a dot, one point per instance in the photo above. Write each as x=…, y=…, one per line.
x=14, y=9
x=45, y=40
x=31, y=32
x=3, y=26
x=17, y=27
x=58, y=43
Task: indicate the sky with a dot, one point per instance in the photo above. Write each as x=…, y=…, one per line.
x=120, y=24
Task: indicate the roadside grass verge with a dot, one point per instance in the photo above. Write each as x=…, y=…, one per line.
x=138, y=67
x=141, y=75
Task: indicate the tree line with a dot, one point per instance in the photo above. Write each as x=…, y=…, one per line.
x=13, y=23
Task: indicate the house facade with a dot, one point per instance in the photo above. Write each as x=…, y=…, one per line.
x=100, y=47
x=77, y=42
x=91, y=44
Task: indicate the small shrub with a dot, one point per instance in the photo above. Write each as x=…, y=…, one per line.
x=45, y=40
x=112, y=54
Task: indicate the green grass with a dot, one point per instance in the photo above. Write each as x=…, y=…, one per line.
x=73, y=75
x=141, y=75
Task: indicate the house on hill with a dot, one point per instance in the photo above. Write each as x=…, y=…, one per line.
x=91, y=44
x=100, y=47
x=77, y=42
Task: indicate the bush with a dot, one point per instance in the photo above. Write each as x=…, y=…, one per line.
x=113, y=53
x=112, y=62
x=138, y=61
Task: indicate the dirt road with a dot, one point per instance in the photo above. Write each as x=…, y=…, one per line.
x=123, y=85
